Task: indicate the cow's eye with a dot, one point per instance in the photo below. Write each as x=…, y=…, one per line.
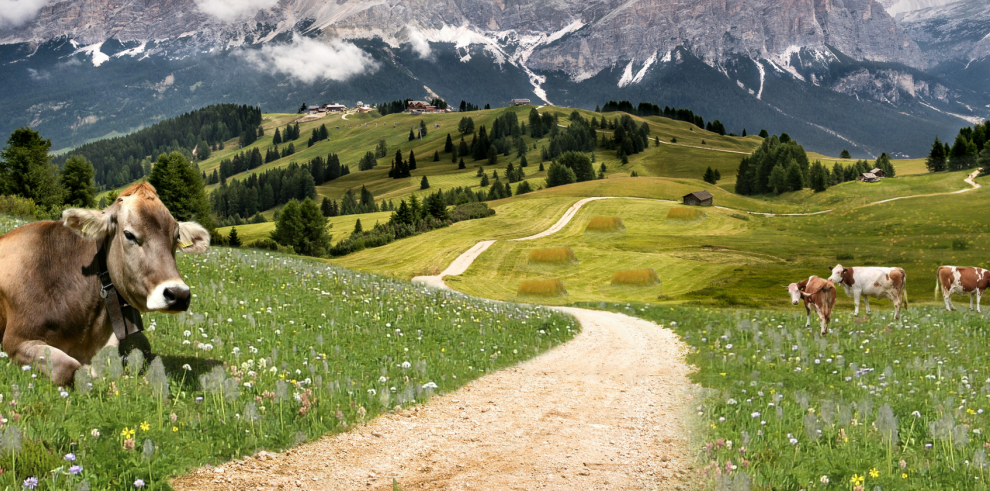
x=129, y=236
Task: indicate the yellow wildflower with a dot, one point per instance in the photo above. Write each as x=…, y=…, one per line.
x=903, y=475
x=874, y=473
x=175, y=429
x=857, y=480
x=127, y=433
x=145, y=426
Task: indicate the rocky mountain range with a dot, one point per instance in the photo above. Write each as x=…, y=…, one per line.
x=859, y=74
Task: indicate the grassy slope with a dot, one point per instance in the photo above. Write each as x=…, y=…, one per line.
x=723, y=260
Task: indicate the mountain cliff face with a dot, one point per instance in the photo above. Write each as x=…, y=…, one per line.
x=553, y=49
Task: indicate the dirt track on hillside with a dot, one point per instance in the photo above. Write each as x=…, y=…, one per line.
x=608, y=410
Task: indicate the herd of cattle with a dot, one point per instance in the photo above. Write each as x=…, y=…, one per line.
x=878, y=282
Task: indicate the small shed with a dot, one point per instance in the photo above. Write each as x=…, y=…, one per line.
x=520, y=102
x=699, y=198
x=879, y=173
x=868, y=177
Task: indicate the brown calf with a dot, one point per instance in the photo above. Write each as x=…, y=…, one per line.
x=51, y=313
x=818, y=293
x=962, y=281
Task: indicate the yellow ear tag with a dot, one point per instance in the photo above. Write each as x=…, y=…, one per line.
x=183, y=245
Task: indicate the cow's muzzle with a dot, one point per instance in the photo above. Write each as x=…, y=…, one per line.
x=171, y=296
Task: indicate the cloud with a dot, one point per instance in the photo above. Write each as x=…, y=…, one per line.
x=232, y=9
x=308, y=60
x=16, y=12
x=419, y=43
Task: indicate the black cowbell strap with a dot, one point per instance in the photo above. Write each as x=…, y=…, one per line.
x=124, y=318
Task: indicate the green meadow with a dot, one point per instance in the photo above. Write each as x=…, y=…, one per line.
x=876, y=404
x=275, y=351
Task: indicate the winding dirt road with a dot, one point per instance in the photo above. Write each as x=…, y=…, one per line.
x=608, y=410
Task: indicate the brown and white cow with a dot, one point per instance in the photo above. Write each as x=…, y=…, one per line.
x=49, y=290
x=962, y=281
x=874, y=282
x=816, y=293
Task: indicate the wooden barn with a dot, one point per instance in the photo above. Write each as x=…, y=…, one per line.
x=879, y=173
x=699, y=198
x=868, y=177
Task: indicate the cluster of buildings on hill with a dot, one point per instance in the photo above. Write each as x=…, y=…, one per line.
x=338, y=108
x=413, y=107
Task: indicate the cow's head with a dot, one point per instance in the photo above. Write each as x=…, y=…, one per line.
x=142, y=238
x=838, y=273
x=795, y=292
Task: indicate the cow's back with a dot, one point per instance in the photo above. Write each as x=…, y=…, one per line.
x=48, y=286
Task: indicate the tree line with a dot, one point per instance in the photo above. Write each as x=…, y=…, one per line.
x=650, y=109
x=968, y=150
x=781, y=165
x=121, y=160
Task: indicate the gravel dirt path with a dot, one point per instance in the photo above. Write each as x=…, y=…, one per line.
x=610, y=409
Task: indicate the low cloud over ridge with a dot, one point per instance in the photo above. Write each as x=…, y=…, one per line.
x=308, y=60
x=16, y=12
x=229, y=10
x=419, y=42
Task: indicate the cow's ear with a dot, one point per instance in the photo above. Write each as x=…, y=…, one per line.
x=193, y=238
x=91, y=224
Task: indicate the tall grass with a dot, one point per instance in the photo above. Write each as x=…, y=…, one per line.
x=557, y=255
x=685, y=214
x=605, y=224
x=876, y=404
x=635, y=277
x=275, y=350
x=542, y=288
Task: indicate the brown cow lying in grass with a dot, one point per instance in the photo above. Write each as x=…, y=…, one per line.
x=51, y=311
x=818, y=293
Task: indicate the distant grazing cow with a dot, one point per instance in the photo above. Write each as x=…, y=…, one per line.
x=962, y=281
x=817, y=293
x=872, y=282
x=51, y=311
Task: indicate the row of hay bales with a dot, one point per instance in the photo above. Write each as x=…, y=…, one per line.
x=555, y=288
x=559, y=256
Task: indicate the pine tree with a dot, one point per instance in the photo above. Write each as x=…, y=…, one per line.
x=819, y=177
x=484, y=180
x=180, y=188
x=412, y=162
x=436, y=156
x=422, y=129
x=936, y=161
x=718, y=175
x=845, y=154
x=357, y=227
x=77, y=180
x=559, y=175
x=795, y=179
x=709, y=176
x=326, y=207
x=26, y=169
x=778, y=179
x=233, y=240
x=411, y=135
x=449, y=145
x=277, y=139
x=764, y=134
x=492, y=155
x=424, y=183
x=460, y=165
x=523, y=163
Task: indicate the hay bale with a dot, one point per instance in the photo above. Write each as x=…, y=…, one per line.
x=555, y=256
x=605, y=225
x=685, y=214
x=635, y=277
x=542, y=288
